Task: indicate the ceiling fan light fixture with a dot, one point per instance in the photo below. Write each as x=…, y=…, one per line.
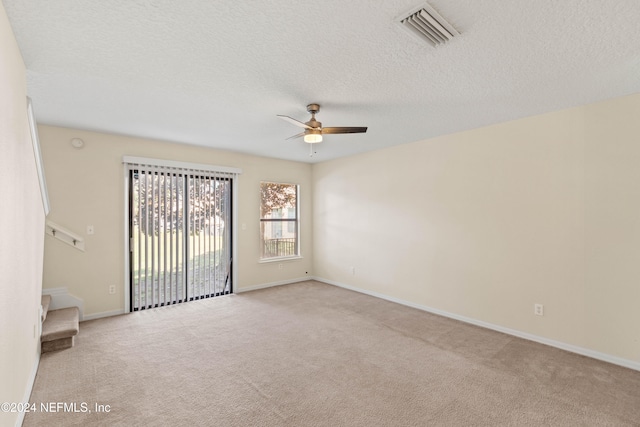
x=313, y=136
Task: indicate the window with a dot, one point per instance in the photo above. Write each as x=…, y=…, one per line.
x=278, y=220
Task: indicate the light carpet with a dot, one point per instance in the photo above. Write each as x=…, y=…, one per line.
x=311, y=354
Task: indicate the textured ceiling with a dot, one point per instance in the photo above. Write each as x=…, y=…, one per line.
x=216, y=73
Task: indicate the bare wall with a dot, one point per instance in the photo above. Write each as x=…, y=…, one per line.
x=86, y=187
x=22, y=231
x=485, y=223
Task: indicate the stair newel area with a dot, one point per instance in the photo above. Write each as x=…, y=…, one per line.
x=59, y=327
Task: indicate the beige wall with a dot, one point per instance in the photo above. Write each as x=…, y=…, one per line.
x=485, y=223
x=22, y=225
x=86, y=187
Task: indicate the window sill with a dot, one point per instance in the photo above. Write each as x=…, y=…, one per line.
x=279, y=259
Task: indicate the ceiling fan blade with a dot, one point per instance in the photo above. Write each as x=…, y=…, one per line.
x=295, y=122
x=344, y=130
x=296, y=136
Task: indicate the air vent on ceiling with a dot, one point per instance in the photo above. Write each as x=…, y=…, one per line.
x=427, y=24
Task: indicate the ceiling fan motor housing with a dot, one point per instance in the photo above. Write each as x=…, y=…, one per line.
x=313, y=109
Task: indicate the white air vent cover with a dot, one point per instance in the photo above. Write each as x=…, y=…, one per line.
x=424, y=22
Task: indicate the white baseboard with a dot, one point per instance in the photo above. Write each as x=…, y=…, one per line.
x=527, y=336
x=103, y=314
x=241, y=290
x=272, y=284
x=30, y=383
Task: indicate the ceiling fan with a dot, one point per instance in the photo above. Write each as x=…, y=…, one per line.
x=313, y=129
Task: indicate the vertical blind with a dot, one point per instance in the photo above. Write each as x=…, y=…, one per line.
x=180, y=222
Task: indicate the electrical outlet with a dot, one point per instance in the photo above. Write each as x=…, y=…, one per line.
x=112, y=289
x=280, y=266
x=352, y=270
x=90, y=230
x=538, y=309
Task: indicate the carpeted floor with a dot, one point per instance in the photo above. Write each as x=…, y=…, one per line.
x=311, y=354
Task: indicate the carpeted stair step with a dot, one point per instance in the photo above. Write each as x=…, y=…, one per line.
x=60, y=328
x=45, y=301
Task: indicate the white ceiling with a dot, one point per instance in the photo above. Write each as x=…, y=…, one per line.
x=216, y=73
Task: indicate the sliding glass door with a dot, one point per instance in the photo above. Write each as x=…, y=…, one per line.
x=180, y=236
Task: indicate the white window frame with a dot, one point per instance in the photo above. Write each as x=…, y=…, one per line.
x=298, y=254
